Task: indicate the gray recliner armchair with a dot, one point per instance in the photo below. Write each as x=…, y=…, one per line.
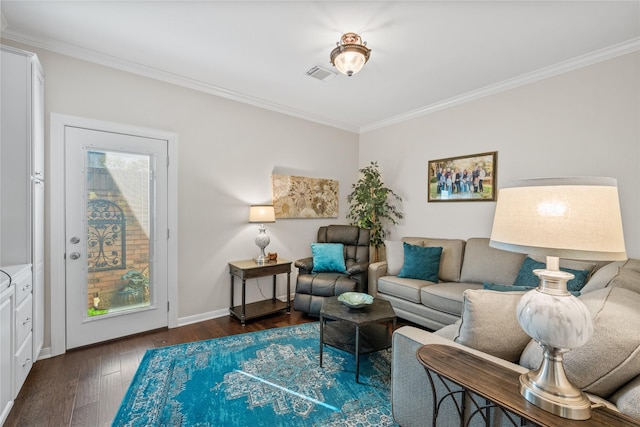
x=313, y=288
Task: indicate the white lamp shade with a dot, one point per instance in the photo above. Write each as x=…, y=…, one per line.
x=262, y=213
x=576, y=218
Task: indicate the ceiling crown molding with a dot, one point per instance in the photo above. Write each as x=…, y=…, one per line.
x=177, y=79
x=607, y=53
x=180, y=80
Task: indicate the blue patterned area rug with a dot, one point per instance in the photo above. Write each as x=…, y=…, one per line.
x=266, y=378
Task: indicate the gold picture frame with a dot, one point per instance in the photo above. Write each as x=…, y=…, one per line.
x=304, y=197
x=470, y=178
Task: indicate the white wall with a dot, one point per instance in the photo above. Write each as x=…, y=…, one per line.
x=585, y=122
x=227, y=152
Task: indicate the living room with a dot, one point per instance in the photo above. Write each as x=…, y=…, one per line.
x=583, y=121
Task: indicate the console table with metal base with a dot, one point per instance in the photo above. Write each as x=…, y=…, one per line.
x=249, y=269
x=485, y=385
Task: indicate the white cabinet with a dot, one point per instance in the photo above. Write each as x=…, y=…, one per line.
x=23, y=330
x=16, y=333
x=22, y=175
x=7, y=323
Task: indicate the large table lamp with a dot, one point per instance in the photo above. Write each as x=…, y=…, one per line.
x=575, y=218
x=262, y=214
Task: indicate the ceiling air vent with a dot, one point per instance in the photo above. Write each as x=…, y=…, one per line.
x=320, y=73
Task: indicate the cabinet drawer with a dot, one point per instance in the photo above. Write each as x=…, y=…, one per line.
x=24, y=361
x=24, y=320
x=23, y=285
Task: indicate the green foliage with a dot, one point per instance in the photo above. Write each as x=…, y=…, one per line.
x=96, y=312
x=372, y=204
x=135, y=277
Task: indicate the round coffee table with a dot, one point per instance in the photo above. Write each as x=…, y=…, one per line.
x=357, y=331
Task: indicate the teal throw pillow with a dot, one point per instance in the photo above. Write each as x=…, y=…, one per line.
x=328, y=257
x=508, y=288
x=421, y=262
x=505, y=288
x=527, y=278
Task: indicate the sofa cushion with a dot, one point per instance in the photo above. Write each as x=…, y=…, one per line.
x=612, y=356
x=626, y=278
x=407, y=289
x=421, y=262
x=394, y=251
x=446, y=297
x=489, y=324
x=452, y=253
x=328, y=257
x=526, y=277
x=627, y=399
x=633, y=264
x=482, y=263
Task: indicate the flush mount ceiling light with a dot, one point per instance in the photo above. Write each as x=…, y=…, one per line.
x=350, y=55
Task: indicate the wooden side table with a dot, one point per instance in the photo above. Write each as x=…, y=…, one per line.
x=249, y=269
x=495, y=386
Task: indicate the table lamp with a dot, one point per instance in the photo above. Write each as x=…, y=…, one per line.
x=576, y=218
x=262, y=214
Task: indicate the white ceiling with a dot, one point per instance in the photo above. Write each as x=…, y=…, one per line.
x=425, y=54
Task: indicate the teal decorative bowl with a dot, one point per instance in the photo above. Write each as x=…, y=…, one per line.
x=355, y=299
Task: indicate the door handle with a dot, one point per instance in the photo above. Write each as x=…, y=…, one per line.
x=74, y=255
x=75, y=240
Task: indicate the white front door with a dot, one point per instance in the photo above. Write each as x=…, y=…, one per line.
x=116, y=235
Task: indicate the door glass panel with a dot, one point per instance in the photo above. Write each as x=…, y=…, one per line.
x=119, y=240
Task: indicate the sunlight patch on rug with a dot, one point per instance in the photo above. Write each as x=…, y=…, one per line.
x=270, y=378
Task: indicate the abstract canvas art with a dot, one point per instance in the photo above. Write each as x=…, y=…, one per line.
x=304, y=197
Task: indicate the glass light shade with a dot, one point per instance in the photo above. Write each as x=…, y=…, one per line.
x=350, y=62
x=262, y=213
x=350, y=55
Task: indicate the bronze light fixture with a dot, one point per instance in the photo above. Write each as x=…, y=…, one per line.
x=350, y=54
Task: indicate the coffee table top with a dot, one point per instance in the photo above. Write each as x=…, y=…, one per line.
x=378, y=311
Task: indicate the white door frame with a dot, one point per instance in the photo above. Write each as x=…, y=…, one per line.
x=57, y=217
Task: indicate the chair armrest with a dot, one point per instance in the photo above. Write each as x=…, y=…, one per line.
x=358, y=268
x=304, y=265
x=376, y=270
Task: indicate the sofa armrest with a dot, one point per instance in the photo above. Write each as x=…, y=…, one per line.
x=358, y=268
x=411, y=393
x=304, y=265
x=376, y=270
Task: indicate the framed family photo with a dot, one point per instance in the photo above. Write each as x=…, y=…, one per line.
x=471, y=178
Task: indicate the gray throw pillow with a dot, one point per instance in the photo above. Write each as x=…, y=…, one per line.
x=489, y=323
x=612, y=355
x=601, y=278
x=394, y=252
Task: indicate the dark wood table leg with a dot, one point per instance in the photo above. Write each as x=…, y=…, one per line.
x=357, y=355
x=243, y=314
x=288, y=292
x=231, y=304
x=321, y=337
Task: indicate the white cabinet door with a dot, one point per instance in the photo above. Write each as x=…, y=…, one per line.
x=7, y=321
x=38, y=268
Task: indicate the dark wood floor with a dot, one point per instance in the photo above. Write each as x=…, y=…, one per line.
x=85, y=387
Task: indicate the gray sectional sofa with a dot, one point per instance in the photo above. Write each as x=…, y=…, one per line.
x=484, y=322
x=463, y=265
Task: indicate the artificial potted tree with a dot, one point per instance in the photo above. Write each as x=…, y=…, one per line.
x=373, y=206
